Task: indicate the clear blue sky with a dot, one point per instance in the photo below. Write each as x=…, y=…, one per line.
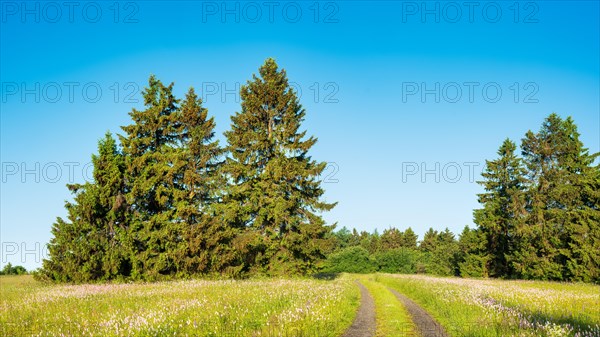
x=371, y=62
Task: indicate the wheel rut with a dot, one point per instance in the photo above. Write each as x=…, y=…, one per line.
x=364, y=323
x=426, y=325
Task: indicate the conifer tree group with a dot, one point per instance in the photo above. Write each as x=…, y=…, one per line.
x=167, y=200
x=540, y=219
x=170, y=201
x=541, y=211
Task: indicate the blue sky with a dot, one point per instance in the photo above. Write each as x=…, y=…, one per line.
x=407, y=99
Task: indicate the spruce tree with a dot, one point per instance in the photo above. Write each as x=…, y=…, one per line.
x=503, y=208
x=409, y=239
x=562, y=203
x=275, y=198
x=438, y=252
x=88, y=246
x=579, y=195
x=199, y=190
x=391, y=238
x=110, y=184
x=150, y=146
x=429, y=241
x=472, y=258
x=539, y=254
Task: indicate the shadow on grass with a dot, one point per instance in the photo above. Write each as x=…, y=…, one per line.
x=326, y=276
x=580, y=323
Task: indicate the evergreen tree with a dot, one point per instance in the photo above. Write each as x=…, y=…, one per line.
x=88, y=247
x=110, y=184
x=391, y=238
x=409, y=239
x=472, y=258
x=438, y=253
x=153, y=173
x=371, y=242
x=274, y=200
x=199, y=190
x=503, y=208
x=342, y=238
x=429, y=241
x=562, y=204
x=579, y=195
x=444, y=255
x=354, y=238
x=564, y=201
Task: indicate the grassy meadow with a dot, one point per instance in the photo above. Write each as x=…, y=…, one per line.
x=296, y=307
x=471, y=307
x=260, y=307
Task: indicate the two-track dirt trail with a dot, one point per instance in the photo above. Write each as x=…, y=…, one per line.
x=426, y=325
x=364, y=323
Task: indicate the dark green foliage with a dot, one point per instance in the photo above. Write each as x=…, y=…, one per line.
x=198, y=191
x=168, y=205
x=393, y=238
x=397, y=260
x=542, y=221
x=170, y=202
x=274, y=196
x=504, y=208
x=350, y=260
x=439, y=253
x=560, y=238
x=409, y=239
x=342, y=238
x=540, y=218
x=9, y=269
x=393, y=251
x=150, y=145
x=88, y=247
x=429, y=241
x=472, y=257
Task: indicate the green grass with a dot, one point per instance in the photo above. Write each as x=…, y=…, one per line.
x=262, y=307
x=296, y=307
x=392, y=318
x=468, y=307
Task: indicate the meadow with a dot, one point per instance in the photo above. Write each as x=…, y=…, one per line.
x=296, y=307
x=260, y=307
x=472, y=307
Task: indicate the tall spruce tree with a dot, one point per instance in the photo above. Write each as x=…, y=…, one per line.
x=274, y=201
x=199, y=189
x=88, y=247
x=153, y=174
x=580, y=198
x=110, y=184
x=562, y=204
x=503, y=209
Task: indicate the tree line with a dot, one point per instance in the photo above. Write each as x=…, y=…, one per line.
x=9, y=269
x=539, y=219
x=167, y=200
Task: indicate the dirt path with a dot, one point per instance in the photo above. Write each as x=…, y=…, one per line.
x=426, y=325
x=364, y=323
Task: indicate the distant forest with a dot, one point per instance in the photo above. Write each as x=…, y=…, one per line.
x=169, y=201
x=539, y=219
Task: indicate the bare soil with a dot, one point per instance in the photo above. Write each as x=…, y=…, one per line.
x=364, y=323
